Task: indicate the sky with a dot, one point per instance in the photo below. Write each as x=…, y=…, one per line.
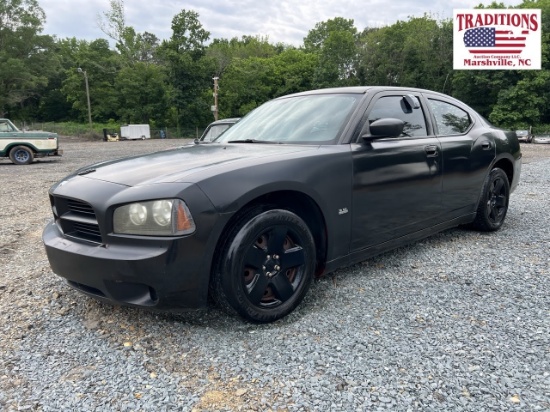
x=280, y=21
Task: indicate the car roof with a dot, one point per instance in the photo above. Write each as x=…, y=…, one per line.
x=365, y=89
x=228, y=120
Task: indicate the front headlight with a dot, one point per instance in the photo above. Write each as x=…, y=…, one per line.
x=165, y=217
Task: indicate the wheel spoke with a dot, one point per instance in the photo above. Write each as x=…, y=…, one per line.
x=493, y=213
x=276, y=239
x=497, y=189
x=500, y=201
x=255, y=257
x=257, y=289
x=489, y=208
x=292, y=258
x=282, y=287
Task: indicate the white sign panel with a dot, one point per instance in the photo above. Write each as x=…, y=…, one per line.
x=491, y=39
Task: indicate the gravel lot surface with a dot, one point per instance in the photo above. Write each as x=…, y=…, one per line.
x=457, y=322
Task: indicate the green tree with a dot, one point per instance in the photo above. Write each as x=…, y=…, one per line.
x=334, y=42
x=525, y=101
x=293, y=71
x=189, y=73
x=26, y=58
x=223, y=51
x=142, y=94
x=247, y=83
x=101, y=65
x=415, y=53
x=316, y=37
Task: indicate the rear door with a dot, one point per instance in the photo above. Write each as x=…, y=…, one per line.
x=466, y=154
x=397, y=182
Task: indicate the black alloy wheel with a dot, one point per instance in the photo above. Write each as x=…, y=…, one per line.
x=493, y=204
x=266, y=267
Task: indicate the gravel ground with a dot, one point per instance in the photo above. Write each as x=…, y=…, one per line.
x=459, y=322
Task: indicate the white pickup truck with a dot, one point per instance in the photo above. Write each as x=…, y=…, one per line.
x=23, y=146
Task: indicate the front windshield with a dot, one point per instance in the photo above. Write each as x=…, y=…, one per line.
x=315, y=119
x=7, y=126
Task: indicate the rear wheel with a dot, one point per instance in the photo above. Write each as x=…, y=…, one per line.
x=493, y=204
x=21, y=155
x=266, y=266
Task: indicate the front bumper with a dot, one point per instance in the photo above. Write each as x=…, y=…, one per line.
x=154, y=275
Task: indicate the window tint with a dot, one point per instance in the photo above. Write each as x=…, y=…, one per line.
x=450, y=119
x=398, y=108
x=314, y=118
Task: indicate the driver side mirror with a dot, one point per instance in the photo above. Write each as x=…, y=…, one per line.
x=387, y=127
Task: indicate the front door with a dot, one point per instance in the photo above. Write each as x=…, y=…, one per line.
x=396, y=181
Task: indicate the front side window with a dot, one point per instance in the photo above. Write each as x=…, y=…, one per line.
x=398, y=107
x=315, y=119
x=450, y=120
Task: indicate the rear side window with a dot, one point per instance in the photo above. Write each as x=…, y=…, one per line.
x=397, y=107
x=450, y=119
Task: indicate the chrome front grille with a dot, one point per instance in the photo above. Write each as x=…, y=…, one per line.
x=76, y=218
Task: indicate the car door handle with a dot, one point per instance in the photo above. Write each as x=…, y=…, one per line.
x=486, y=145
x=431, y=151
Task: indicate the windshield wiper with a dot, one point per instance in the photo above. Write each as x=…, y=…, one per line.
x=248, y=141
x=255, y=141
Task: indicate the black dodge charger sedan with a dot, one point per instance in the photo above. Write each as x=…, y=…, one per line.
x=301, y=186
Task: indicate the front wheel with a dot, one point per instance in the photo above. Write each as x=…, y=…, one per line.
x=493, y=204
x=21, y=155
x=266, y=266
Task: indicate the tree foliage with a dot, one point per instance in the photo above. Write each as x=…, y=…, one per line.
x=26, y=56
x=334, y=42
x=189, y=72
x=416, y=53
x=169, y=82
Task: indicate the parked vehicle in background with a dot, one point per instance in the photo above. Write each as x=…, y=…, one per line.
x=113, y=137
x=525, y=136
x=22, y=147
x=110, y=136
x=216, y=128
x=544, y=139
x=135, y=132
x=303, y=185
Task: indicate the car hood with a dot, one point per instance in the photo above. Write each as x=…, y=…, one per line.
x=185, y=163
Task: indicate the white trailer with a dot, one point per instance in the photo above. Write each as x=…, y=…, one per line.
x=135, y=132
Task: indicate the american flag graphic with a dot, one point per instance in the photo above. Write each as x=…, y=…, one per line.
x=490, y=40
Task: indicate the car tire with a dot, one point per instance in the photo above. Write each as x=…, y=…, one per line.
x=265, y=267
x=21, y=155
x=493, y=204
